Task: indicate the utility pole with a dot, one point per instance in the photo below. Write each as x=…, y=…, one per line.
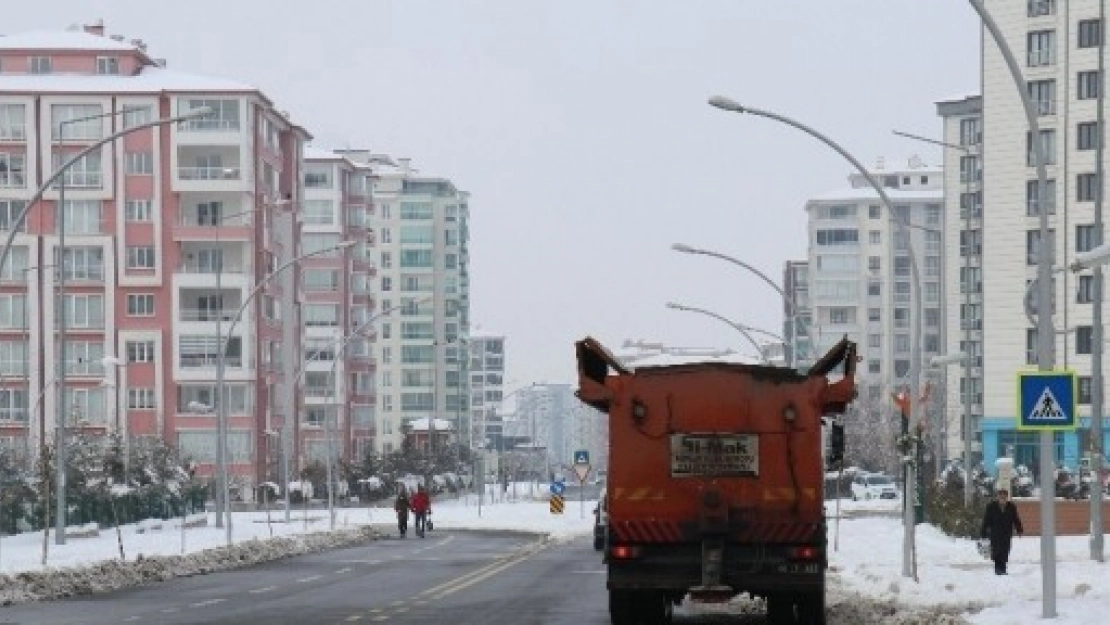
x=1096, y=444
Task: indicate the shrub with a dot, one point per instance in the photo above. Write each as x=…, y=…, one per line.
x=946, y=510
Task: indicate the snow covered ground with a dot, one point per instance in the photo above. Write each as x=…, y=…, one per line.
x=865, y=557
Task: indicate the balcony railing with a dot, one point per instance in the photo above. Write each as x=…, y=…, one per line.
x=211, y=125
x=318, y=391
x=211, y=268
x=193, y=219
x=208, y=361
x=205, y=314
x=208, y=173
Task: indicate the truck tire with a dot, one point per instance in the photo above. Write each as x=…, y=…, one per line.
x=639, y=607
x=811, y=608
x=780, y=610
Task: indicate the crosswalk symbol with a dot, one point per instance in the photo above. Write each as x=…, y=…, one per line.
x=556, y=504
x=1047, y=408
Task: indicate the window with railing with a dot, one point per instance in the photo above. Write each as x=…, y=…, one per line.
x=13, y=357
x=84, y=173
x=83, y=311
x=1048, y=147
x=1032, y=197
x=9, y=211
x=224, y=115
x=321, y=280
x=13, y=170
x=320, y=350
x=971, y=243
x=82, y=263
x=13, y=405
x=971, y=280
x=201, y=445
x=204, y=352
x=321, y=315
x=318, y=212
x=82, y=216
x=13, y=122
x=1090, y=33
x=971, y=131
x=1041, y=46
x=1042, y=93
x=236, y=395
x=314, y=242
x=1089, y=83
x=318, y=416
x=970, y=170
x=65, y=126
x=137, y=115
x=87, y=405
x=83, y=358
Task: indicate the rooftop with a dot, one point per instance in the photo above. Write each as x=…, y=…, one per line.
x=150, y=79
x=62, y=40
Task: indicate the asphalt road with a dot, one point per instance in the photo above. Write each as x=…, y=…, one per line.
x=456, y=577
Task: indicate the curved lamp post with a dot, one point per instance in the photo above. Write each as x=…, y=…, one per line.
x=1046, y=336
x=221, y=405
x=727, y=104
x=742, y=329
x=790, y=305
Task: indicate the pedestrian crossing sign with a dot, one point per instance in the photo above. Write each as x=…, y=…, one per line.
x=1046, y=400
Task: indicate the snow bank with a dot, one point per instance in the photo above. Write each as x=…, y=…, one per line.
x=115, y=574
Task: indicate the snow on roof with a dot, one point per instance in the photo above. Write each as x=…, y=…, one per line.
x=150, y=80
x=867, y=193
x=320, y=154
x=421, y=425
x=61, y=40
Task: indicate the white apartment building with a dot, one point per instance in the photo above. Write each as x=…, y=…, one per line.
x=1056, y=44
x=860, y=280
x=421, y=227
x=487, y=386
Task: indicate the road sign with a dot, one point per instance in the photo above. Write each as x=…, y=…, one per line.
x=581, y=457
x=1046, y=400
x=558, y=488
x=556, y=504
x=582, y=470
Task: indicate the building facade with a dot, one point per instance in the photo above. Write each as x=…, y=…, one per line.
x=1058, y=47
x=167, y=231
x=421, y=226
x=860, y=275
x=797, y=322
x=487, y=387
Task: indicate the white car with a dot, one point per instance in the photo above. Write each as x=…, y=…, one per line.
x=873, y=486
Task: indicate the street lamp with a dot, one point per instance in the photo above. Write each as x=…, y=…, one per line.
x=727, y=104
x=792, y=308
x=222, y=433
x=742, y=329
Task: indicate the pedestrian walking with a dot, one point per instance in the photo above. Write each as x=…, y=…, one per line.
x=402, y=506
x=999, y=523
x=422, y=508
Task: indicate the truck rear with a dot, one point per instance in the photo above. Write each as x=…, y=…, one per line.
x=715, y=482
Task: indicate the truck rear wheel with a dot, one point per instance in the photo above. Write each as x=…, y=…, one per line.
x=811, y=609
x=622, y=607
x=639, y=607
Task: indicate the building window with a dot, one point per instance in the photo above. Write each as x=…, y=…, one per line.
x=41, y=65
x=1088, y=85
x=84, y=130
x=139, y=163
x=932, y=317
x=837, y=236
x=874, y=288
x=13, y=173
x=971, y=131
x=13, y=122
x=1086, y=238
x=901, y=317
x=875, y=237
x=140, y=257
x=971, y=243
x=970, y=170
x=1048, y=144
x=874, y=314
x=1087, y=135
x=317, y=179
x=138, y=210
x=318, y=212
x=874, y=263
x=140, y=399
x=1086, y=187
x=140, y=351
x=841, y=315
x=932, y=214
x=875, y=340
x=107, y=65
x=321, y=280
x=1032, y=197
x=140, y=305
x=1038, y=8
x=1090, y=33
x=224, y=116
x=1085, y=290
x=137, y=115
x=1083, y=342
x=1043, y=95
x=1041, y=45
x=1084, y=398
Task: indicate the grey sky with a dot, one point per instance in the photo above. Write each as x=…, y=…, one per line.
x=581, y=129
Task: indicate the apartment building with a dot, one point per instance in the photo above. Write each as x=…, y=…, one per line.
x=1057, y=45
x=421, y=229
x=860, y=281
x=797, y=325
x=167, y=232
x=337, y=308
x=487, y=386
x=963, y=201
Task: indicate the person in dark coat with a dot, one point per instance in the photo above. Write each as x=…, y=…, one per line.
x=402, y=505
x=999, y=524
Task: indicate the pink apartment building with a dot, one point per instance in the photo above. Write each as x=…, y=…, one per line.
x=167, y=231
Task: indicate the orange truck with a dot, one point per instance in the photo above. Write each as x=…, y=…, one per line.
x=716, y=480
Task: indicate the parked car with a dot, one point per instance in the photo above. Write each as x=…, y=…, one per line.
x=873, y=486
x=601, y=520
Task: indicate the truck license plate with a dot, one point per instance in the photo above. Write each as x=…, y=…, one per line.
x=799, y=568
x=714, y=455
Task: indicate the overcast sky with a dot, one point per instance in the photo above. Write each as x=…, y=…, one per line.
x=581, y=129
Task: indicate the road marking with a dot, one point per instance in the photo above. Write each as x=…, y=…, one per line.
x=169, y=610
x=353, y=618
x=420, y=602
x=258, y=591
x=345, y=569
x=398, y=602
x=381, y=618
x=132, y=618
x=201, y=604
x=402, y=610
x=310, y=578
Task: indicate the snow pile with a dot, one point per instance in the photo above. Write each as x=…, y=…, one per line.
x=115, y=574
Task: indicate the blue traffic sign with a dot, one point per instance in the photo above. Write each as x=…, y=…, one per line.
x=581, y=457
x=558, y=488
x=1046, y=400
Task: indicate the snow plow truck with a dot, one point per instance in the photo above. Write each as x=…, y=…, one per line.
x=715, y=483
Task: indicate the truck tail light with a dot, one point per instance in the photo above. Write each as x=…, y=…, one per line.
x=805, y=552
x=624, y=552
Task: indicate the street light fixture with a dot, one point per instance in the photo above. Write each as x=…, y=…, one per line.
x=742, y=329
x=791, y=306
x=908, y=517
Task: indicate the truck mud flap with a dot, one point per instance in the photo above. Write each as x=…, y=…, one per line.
x=711, y=589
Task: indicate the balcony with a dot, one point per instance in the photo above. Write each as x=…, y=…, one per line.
x=208, y=361
x=209, y=173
